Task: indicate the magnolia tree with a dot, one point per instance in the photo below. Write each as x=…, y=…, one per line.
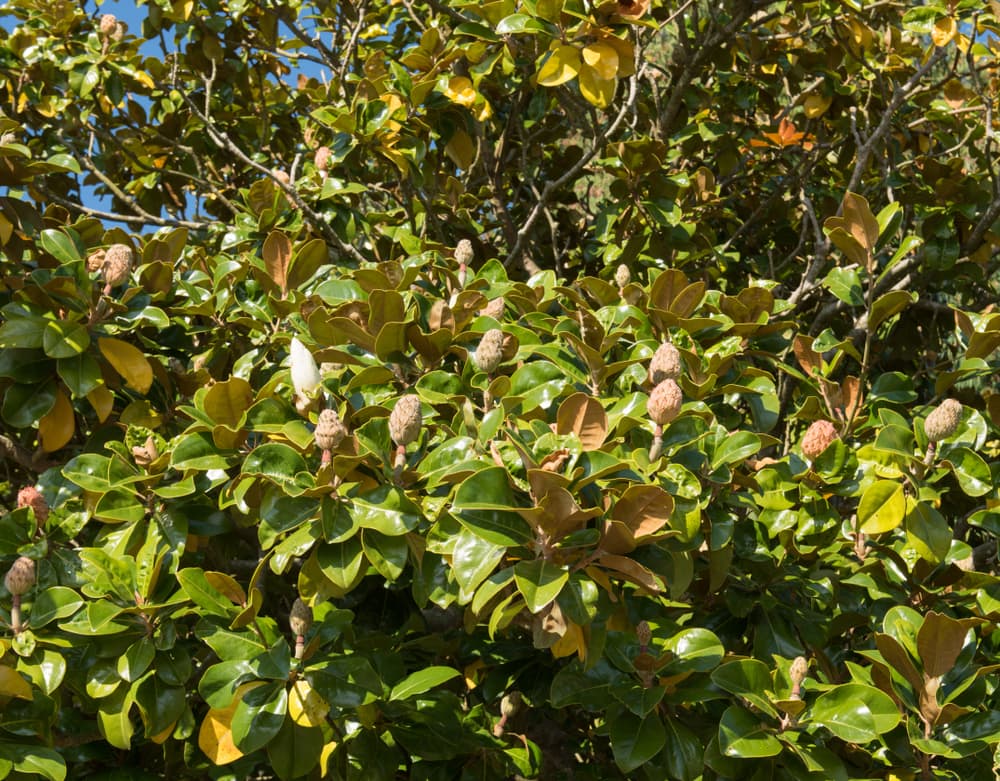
x=450, y=390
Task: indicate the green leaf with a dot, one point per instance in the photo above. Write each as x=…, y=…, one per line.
x=113, y=718
x=845, y=284
x=24, y=332
x=197, y=588
x=743, y=735
x=25, y=405
x=473, y=559
x=31, y=759
x=882, y=507
x=736, y=447
x=341, y=562
x=636, y=740
x=81, y=373
x=64, y=339
x=855, y=712
x=295, y=750
x=973, y=474
x=198, y=451
x=258, y=717
x=136, y=659
x=386, y=554
x=539, y=582
x=483, y=504
x=422, y=681
x=386, y=510
x=590, y=688
x=60, y=246
x=277, y=462
x=54, y=603
x=695, y=650
x=519, y=23
x=928, y=532
x=748, y=678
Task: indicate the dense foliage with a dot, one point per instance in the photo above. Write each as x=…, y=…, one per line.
x=490, y=390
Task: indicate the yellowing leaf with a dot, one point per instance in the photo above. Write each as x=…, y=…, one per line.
x=816, y=105
x=277, y=253
x=572, y=642
x=13, y=685
x=102, y=400
x=128, y=361
x=626, y=54
x=305, y=707
x=56, y=428
x=603, y=59
x=324, y=757
x=461, y=91
x=584, y=416
x=598, y=91
x=215, y=737
x=161, y=737
x=461, y=150
x=144, y=79
x=944, y=32
x=561, y=66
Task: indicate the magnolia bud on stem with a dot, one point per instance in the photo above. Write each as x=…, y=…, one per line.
x=300, y=619
x=18, y=581
x=463, y=256
x=509, y=705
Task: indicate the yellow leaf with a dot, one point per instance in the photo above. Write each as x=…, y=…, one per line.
x=603, y=59
x=215, y=737
x=324, y=757
x=461, y=150
x=461, y=91
x=144, y=79
x=305, y=706
x=472, y=673
x=56, y=428
x=945, y=30
x=561, y=66
x=816, y=105
x=129, y=362
x=161, y=737
x=600, y=92
x=626, y=55
x=102, y=400
x=13, y=685
x=572, y=642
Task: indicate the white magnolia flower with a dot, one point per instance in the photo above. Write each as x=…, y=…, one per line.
x=305, y=372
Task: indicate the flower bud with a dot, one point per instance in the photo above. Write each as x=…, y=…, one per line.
x=300, y=618
x=20, y=577
x=463, y=252
x=108, y=24
x=622, y=275
x=305, y=372
x=405, y=420
x=489, y=354
x=330, y=431
x=29, y=497
x=510, y=704
x=664, y=402
x=943, y=421
x=665, y=364
x=798, y=671
x=117, y=264
x=644, y=633
x=819, y=436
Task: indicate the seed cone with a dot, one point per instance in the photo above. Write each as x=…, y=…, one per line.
x=330, y=431
x=20, y=577
x=108, y=25
x=117, y=264
x=322, y=158
x=29, y=497
x=463, y=252
x=819, y=436
x=622, y=275
x=943, y=421
x=489, y=354
x=798, y=671
x=405, y=420
x=665, y=364
x=300, y=618
x=664, y=402
x=643, y=633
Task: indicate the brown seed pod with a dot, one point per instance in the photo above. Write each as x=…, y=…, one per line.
x=330, y=431
x=943, y=421
x=489, y=354
x=108, y=24
x=29, y=497
x=405, y=420
x=622, y=275
x=322, y=158
x=664, y=402
x=665, y=364
x=819, y=436
x=117, y=264
x=644, y=633
x=300, y=618
x=20, y=577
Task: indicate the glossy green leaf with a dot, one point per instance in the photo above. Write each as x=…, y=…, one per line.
x=636, y=740
x=422, y=681
x=539, y=582
x=855, y=712
x=882, y=507
x=744, y=735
